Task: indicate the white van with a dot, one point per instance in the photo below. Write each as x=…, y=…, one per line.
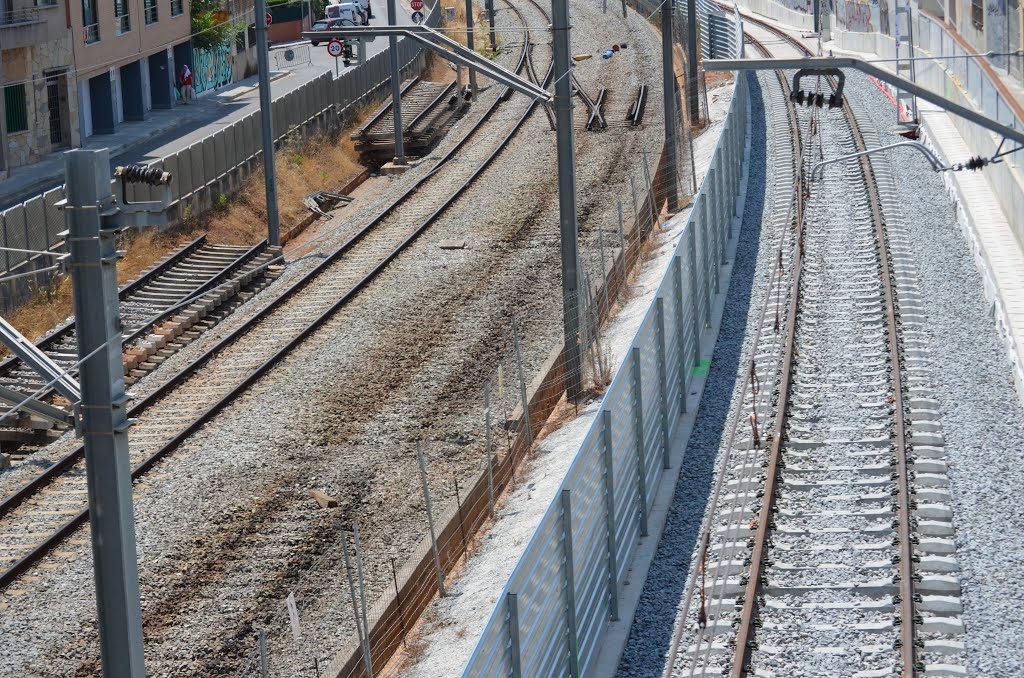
x=347, y=11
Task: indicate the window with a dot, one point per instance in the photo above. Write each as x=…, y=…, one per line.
x=17, y=111
x=90, y=24
x=978, y=14
x=149, y=8
x=122, y=18
x=177, y=7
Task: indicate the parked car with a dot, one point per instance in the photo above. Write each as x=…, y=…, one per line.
x=325, y=25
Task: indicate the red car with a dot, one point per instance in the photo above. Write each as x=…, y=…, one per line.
x=324, y=25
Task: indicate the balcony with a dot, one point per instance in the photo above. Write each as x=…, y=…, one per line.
x=22, y=28
x=91, y=33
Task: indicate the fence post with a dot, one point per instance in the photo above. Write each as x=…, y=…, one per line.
x=362, y=589
x=522, y=387
x=398, y=599
x=512, y=603
x=570, y=585
x=724, y=212
x=711, y=221
x=677, y=266
x=364, y=639
x=638, y=416
x=708, y=260
x=650, y=190
x=263, y=654
x=430, y=517
x=609, y=490
x=490, y=463
x=663, y=379
x=622, y=234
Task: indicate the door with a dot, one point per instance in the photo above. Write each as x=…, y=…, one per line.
x=57, y=105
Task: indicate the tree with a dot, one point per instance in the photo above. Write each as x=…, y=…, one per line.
x=211, y=25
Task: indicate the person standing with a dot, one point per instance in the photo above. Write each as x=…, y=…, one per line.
x=188, y=91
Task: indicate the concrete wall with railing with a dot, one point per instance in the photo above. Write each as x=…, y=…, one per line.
x=215, y=165
x=554, y=612
x=964, y=81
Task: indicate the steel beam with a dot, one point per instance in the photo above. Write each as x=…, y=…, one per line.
x=868, y=69
x=436, y=42
x=31, y=355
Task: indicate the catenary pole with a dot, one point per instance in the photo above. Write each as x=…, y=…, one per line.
x=396, y=86
x=691, y=61
x=267, y=124
x=668, y=85
x=567, y=197
x=93, y=250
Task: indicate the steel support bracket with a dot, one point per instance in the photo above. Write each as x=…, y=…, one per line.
x=445, y=47
x=869, y=69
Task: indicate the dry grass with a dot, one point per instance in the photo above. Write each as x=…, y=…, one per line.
x=319, y=163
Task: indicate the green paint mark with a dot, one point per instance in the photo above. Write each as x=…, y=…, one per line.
x=701, y=368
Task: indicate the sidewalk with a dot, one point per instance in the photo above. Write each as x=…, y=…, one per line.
x=169, y=131
x=165, y=131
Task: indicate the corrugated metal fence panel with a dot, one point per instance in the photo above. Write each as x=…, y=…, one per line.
x=539, y=578
x=54, y=216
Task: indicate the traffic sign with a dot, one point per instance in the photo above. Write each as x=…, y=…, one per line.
x=417, y=5
x=417, y=17
x=335, y=48
x=270, y=18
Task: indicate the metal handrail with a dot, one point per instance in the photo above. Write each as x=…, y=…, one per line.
x=91, y=33
x=16, y=17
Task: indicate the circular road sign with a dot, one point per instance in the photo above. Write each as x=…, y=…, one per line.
x=270, y=19
x=417, y=5
x=335, y=48
x=417, y=17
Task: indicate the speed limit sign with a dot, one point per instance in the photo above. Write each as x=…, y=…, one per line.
x=335, y=47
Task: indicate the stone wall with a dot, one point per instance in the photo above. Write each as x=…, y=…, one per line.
x=32, y=65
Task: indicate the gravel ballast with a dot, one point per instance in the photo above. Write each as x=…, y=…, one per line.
x=225, y=526
x=981, y=414
x=651, y=631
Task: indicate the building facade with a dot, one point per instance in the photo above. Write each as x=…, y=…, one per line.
x=127, y=56
x=38, y=106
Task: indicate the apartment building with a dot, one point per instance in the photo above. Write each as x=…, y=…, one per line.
x=38, y=106
x=127, y=56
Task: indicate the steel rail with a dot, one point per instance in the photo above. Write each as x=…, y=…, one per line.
x=51, y=473
x=60, y=332
x=636, y=115
x=369, y=124
x=430, y=106
x=751, y=368
x=592, y=108
x=746, y=630
x=63, y=332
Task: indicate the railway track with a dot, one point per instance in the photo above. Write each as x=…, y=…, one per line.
x=195, y=270
x=48, y=508
x=823, y=553
x=428, y=109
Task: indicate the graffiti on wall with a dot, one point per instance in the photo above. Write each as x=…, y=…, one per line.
x=212, y=67
x=857, y=17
